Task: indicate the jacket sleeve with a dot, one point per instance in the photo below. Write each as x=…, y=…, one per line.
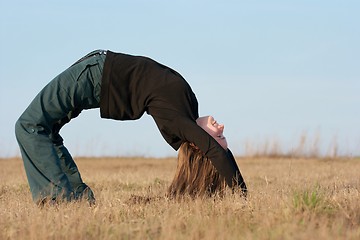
x=222, y=160
x=239, y=180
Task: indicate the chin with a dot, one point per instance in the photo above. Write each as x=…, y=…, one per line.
x=224, y=145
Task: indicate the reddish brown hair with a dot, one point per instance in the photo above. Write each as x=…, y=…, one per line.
x=195, y=175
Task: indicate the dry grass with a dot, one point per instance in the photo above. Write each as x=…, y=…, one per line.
x=288, y=199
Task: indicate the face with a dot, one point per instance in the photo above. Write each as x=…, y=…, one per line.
x=213, y=128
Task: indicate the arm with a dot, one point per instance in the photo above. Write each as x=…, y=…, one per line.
x=238, y=178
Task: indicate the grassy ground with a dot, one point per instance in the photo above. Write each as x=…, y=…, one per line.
x=288, y=199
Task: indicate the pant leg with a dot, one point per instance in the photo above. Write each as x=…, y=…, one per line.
x=76, y=88
x=89, y=84
x=68, y=165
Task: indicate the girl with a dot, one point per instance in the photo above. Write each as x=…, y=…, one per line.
x=124, y=87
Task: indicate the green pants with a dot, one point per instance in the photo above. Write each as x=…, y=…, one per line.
x=50, y=169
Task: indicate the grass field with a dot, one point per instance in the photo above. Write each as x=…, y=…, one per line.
x=289, y=198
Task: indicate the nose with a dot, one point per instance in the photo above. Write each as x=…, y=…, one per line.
x=221, y=127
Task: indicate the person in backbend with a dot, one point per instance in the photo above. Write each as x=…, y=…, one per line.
x=124, y=87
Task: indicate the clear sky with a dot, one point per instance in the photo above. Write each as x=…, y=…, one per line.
x=268, y=70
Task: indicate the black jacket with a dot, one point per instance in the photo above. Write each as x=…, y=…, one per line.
x=133, y=85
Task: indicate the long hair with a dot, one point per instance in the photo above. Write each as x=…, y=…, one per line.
x=195, y=175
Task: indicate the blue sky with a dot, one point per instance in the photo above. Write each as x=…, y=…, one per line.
x=269, y=70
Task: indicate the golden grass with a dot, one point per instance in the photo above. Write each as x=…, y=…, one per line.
x=288, y=199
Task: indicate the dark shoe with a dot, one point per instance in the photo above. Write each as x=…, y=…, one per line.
x=84, y=192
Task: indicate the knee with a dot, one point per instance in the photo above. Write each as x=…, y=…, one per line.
x=19, y=129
